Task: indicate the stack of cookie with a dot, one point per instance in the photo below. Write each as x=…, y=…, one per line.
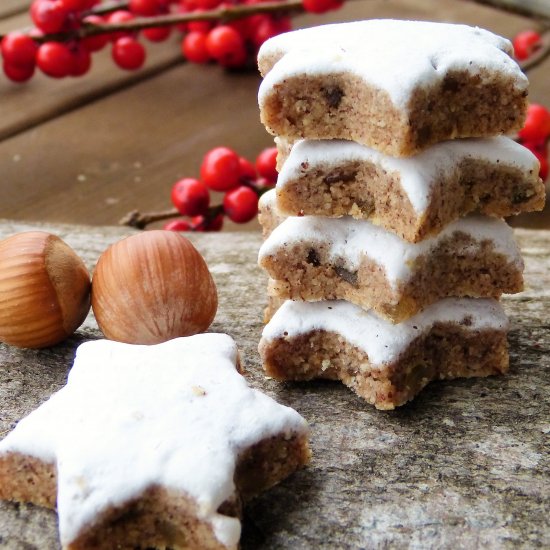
x=385, y=234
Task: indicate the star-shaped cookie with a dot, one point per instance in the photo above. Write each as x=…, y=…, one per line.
x=396, y=86
x=152, y=446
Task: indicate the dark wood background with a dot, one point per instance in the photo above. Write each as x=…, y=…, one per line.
x=88, y=150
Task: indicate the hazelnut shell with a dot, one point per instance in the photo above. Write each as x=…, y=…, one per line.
x=152, y=287
x=44, y=290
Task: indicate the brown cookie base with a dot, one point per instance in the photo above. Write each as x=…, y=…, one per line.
x=366, y=191
x=448, y=351
x=159, y=518
x=343, y=106
x=303, y=271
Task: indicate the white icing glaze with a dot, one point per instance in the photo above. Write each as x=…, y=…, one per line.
x=419, y=173
x=381, y=340
x=176, y=415
x=268, y=201
x=347, y=240
x=396, y=56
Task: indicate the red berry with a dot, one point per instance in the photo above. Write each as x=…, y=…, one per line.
x=242, y=26
x=536, y=147
x=117, y=17
x=177, y=225
x=525, y=43
x=190, y=196
x=97, y=42
x=241, y=204
x=207, y=4
x=144, y=7
x=54, y=59
x=284, y=24
x=543, y=159
x=199, y=26
x=19, y=49
x=266, y=164
x=220, y=169
x=157, y=34
x=74, y=5
x=128, y=53
x=537, y=124
x=266, y=29
x=248, y=25
x=321, y=6
x=48, y=15
x=181, y=9
x=247, y=170
x=200, y=223
x=226, y=46
x=188, y=5
x=18, y=73
x=194, y=49
x=82, y=61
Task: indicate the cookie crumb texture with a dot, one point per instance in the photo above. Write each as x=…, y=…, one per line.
x=314, y=258
x=337, y=81
x=387, y=365
x=415, y=197
x=128, y=469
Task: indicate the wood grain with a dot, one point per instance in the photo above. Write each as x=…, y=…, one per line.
x=12, y=7
x=465, y=465
x=92, y=153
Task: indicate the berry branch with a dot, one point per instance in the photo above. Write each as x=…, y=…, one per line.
x=224, y=14
x=140, y=221
x=222, y=170
x=67, y=32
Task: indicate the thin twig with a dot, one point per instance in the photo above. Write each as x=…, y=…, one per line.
x=140, y=221
x=223, y=13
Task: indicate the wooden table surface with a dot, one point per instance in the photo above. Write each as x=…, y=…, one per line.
x=88, y=150
x=465, y=465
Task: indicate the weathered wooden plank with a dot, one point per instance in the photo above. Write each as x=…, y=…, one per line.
x=42, y=98
x=465, y=465
x=12, y=7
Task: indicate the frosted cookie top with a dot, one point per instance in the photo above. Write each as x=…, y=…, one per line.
x=347, y=240
x=396, y=56
x=381, y=340
x=176, y=415
x=417, y=174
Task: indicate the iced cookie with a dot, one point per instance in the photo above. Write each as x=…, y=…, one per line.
x=396, y=86
x=315, y=258
x=152, y=446
x=385, y=364
x=413, y=197
x=269, y=215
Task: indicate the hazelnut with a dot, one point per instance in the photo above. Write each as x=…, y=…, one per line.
x=153, y=287
x=44, y=290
